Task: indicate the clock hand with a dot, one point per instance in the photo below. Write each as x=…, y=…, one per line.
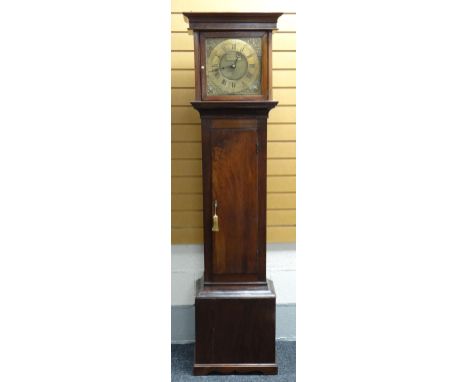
x=235, y=62
x=233, y=65
x=229, y=66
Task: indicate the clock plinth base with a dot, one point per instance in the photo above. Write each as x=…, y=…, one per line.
x=235, y=368
x=235, y=329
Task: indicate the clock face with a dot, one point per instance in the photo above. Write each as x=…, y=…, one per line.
x=233, y=66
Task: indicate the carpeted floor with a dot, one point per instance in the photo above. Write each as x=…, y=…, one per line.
x=182, y=362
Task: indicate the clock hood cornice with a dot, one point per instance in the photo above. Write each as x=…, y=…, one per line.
x=232, y=20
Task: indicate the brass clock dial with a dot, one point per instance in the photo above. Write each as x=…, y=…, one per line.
x=233, y=66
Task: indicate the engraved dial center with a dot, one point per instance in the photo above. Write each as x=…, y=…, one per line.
x=233, y=65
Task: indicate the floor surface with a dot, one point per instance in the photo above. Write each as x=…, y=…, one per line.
x=182, y=362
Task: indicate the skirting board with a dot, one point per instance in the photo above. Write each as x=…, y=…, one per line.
x=183, y=323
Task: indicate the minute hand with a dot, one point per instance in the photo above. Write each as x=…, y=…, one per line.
x=235, y=62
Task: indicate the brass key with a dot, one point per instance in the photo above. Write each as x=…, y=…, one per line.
x=215, y=218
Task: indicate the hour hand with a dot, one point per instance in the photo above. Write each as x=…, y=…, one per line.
x=233, y=65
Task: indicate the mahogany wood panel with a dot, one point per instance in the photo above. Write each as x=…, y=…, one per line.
x=242, y=329
x=235, y=329
x=235, y=188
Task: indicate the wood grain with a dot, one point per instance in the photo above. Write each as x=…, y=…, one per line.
x=192, y=132
x=235, y=188
x=193, y=185
x=192, y=150
x=235, y=329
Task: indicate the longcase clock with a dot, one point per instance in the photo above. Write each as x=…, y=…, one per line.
x=235, y=304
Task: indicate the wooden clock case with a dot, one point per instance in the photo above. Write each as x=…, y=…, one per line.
x=235, y=305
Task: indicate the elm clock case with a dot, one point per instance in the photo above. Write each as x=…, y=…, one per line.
x=235, y=304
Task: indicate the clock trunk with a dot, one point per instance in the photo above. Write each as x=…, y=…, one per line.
x=234, y=165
